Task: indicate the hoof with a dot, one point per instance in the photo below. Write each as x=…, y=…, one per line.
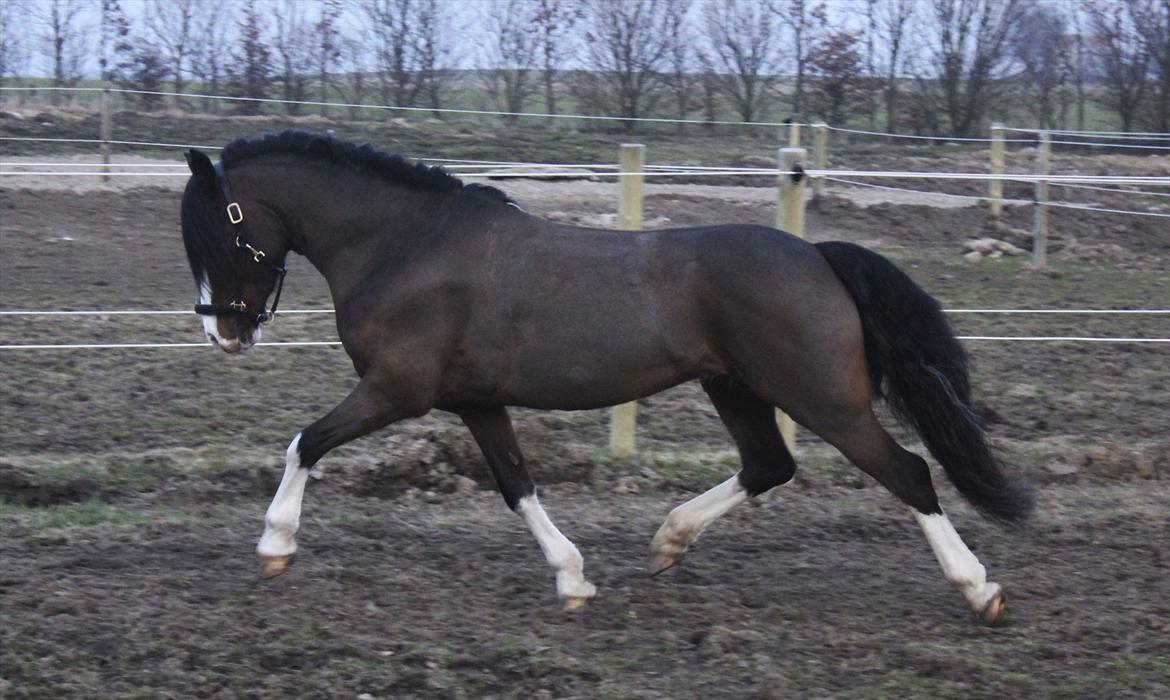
x=661, y=562
x=993, y=612
x=574, y=602
x=271, y=567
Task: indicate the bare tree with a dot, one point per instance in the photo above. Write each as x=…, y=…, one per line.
x=328, y=47
x=681, y=56
x=1075, y=57
x=434, y=51
x=744, y=39
x=250, y=73
x=710, y=83
x=391, y=28
x=356, y=84
x=805, y=18
x=510, y=55
x=293, y=45
x=64, y=36
x=1152, y=19
x=1039, y=48
x=114, y=47
x=148, y=71
x=835, y=67
x=1122, y=55
x=554, y=19
x=170, y=26
x=893, y=19
x=628, y=49
x=965, y=56
x=14, y=49
x=871, y=83
x=410, y=48
x=210, y=41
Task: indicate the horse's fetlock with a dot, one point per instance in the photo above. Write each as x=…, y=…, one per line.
x=569, y=559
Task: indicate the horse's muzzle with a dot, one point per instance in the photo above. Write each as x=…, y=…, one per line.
x=232, y=345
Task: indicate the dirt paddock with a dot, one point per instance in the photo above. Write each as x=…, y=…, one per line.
x=133, y=483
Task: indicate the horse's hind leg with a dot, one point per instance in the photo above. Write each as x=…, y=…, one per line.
x=765, y=459
x=862, y=439
x=492, y=430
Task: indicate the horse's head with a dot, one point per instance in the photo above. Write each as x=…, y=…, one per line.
x=236, y=265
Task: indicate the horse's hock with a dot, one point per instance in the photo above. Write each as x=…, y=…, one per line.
x=445, y=459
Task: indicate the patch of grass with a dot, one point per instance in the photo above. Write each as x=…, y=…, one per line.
x=130, y=472
x=1140, y=673
x=86, y=514
x=911, y=685
x=1003, y=282
x=690, y=470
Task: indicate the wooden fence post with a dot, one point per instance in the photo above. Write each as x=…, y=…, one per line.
x=1040, y=219
x=794, y=135
x=106, y=129
x=995, y=187
x=790, y=218
x=623, y=419
x=820, y=144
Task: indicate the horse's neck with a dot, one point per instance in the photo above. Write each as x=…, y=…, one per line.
x=348, y=227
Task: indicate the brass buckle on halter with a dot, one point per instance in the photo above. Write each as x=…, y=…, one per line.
x=256, y=252
x=235, y=214
x=239, y=306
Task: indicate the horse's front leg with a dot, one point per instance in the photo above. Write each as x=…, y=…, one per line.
x=365, y=410
x=492, y=429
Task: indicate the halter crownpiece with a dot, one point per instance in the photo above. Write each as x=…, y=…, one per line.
x=238, y=307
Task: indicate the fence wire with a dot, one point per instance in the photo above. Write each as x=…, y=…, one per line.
x=1151, y=136
x=285, y=312
x=336, y=343
x=577, y=170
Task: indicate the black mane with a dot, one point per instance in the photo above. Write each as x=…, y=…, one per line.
x=206, y=251
x=364, y=158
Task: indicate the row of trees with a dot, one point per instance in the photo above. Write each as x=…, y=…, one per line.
x=940, y=66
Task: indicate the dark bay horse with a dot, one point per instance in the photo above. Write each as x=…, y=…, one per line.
x=450, y=296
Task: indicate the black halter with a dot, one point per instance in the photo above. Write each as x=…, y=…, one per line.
x=237, y=306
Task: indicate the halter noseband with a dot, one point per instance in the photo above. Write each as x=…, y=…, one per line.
x=238, y=307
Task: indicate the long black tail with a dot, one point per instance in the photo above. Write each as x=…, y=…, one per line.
x=918, y=366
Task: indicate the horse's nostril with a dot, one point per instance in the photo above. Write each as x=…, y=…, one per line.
x=213, y=339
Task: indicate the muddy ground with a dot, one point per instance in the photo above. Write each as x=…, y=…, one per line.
x=133, y=483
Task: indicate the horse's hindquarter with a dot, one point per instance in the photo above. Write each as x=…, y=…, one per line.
x=781, y=317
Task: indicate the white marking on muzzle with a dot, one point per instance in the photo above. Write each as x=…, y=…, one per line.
x=211, y=324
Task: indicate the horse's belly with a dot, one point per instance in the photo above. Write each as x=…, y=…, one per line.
x=571, y=381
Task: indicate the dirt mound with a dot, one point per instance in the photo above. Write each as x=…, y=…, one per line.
x=445, y=459
x=18, y=487
x=1114, y=462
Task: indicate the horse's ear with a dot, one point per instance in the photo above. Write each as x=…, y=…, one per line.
x=202, y=169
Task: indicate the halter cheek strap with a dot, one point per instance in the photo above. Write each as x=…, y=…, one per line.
x=237, y=306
